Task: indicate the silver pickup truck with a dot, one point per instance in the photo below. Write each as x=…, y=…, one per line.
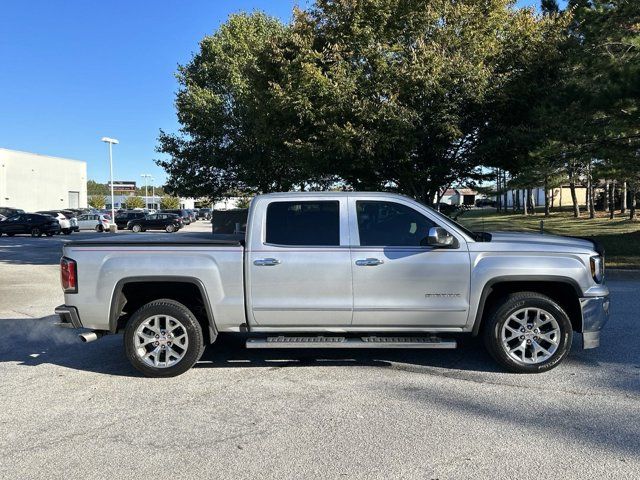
x=337, y=270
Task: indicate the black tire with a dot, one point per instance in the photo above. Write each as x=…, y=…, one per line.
x=99, y=228
x=67, y=232
x=49, y=234
x=137, y=228
x=170, y=228
x=183, y=315
x=10, y=234
x=36, y=232
x=502, y=313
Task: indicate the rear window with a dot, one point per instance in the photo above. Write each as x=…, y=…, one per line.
x=304, y=223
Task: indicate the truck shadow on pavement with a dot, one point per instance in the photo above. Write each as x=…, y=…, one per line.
x=35, y=342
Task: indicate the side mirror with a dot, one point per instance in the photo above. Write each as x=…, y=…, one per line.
x=439, y=237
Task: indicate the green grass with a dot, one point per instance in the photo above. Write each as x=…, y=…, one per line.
x=620, y=237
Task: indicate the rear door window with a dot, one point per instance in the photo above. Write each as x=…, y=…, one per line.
x=305, y=223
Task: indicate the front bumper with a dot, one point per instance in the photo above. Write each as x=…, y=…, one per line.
x=595, y=314
x=69, y=317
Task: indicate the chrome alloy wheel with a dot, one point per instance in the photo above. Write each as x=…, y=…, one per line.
x=530, y=335
x=161, y=341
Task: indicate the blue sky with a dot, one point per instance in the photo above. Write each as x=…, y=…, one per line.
x=74, y=71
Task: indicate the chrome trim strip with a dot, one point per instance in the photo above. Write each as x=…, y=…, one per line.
x=348, y=328
x=302, y=309
x=407, y=309
x=362, y=309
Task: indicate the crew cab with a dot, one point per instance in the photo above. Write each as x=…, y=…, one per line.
x=338, y=270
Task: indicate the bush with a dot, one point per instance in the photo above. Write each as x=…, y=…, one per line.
x=97, y=201
x=169, y=203
x=134, y=202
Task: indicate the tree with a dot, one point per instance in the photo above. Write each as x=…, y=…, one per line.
x=230, y=137
x=589, y=111
x=97, y=201
x=95, y=188
x=134, y=202
x=243, y=202
x=373, y=94
x=169, y=203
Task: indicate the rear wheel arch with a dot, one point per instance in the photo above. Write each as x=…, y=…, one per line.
x=131, y=293
x=565, y=291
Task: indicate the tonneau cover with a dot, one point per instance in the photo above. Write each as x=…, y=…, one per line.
x=153, y=239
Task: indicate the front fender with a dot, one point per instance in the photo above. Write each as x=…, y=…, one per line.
x=488, y=270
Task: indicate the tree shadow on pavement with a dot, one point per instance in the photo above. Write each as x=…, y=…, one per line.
x=30, y=251
x=593, y=423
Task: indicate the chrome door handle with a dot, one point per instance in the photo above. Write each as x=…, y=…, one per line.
x=266, y=262
x=369, y=262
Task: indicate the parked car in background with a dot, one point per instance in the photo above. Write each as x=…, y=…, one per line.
x=485, y=202
x=93, y=221
x=168, y=222
x=68, y=224
x=192, y=215
x=8, y=211
x=30, y=223
x=182, y=213
x=204, y=214
x=123, y=218
x=74, y=212
x=106, y=213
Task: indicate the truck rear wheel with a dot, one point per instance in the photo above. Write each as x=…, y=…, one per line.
x=528, y=333
x=163, y=339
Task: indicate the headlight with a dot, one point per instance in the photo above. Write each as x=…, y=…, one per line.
x=597, y=268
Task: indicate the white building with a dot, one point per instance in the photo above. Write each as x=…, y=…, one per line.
x=459, y=196
x=39, y=182
x=153, y=202
x=227, y=203
x=558, y=196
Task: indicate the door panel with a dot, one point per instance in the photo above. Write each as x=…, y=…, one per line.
x=399, y=281
x=412, y=287
x=306, y=283
x=307, y=287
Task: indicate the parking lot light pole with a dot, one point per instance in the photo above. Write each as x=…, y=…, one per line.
x=146, y=177
x=153, y=192
x=111, y=141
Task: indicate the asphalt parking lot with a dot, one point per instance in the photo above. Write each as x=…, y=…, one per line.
x=77, y=410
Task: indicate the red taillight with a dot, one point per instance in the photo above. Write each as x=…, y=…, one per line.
x=68, y=275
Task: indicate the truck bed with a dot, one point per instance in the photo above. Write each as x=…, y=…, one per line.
x=107, y=263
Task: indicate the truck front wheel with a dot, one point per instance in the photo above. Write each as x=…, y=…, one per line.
x=528, y=333
x=163, y=339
